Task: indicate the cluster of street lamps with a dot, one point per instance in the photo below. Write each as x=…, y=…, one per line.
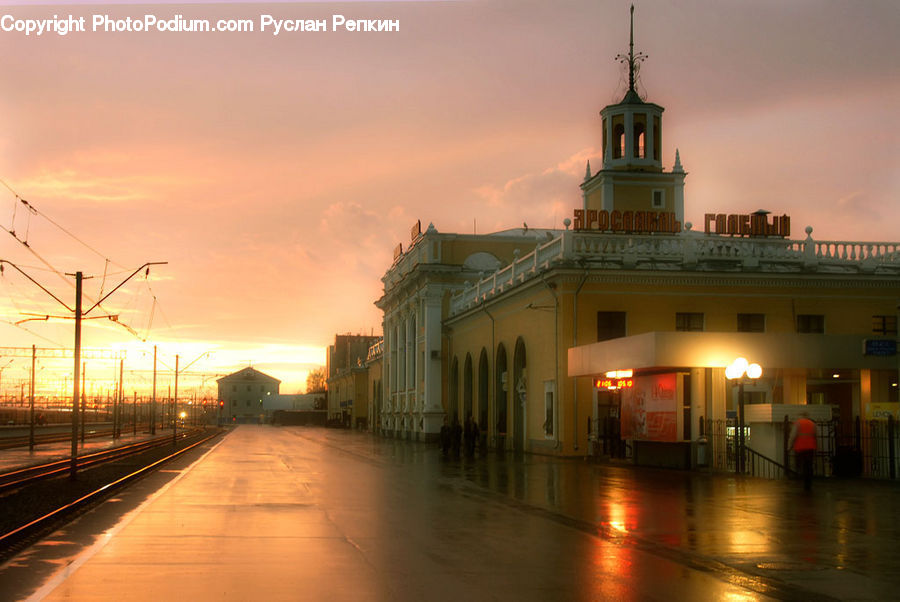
x=742, y=370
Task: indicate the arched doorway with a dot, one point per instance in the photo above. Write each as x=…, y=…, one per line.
x=501, y=399
x=467, y=387
x=483, y=389
x=453, y=411
x=520, y=395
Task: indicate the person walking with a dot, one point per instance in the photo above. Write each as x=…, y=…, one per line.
x=803, y=442
x=456, y=432
x=446, y=438
x=470, y=436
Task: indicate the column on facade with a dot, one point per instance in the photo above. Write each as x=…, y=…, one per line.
x=433, y=411
x=717, y=395
x=388, y=365
x=411, y=326
x=432, y=327
x=629, y=136
x=607, y=152
x=697, y=400
x=403, y=364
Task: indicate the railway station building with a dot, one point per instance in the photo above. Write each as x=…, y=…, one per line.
x=247, y=396
x=621, y=324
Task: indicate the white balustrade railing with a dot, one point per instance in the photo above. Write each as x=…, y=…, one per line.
x=687, y=251
x=376, y=350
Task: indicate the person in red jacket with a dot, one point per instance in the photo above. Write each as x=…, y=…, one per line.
x=803, y=442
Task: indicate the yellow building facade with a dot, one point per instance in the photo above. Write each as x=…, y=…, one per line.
x=622, y=324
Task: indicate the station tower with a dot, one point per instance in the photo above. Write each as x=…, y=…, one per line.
x=632, y=176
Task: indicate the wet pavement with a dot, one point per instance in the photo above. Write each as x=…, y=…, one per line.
x=301, y=513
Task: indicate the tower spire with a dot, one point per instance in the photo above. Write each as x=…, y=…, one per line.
x=632, y=60
x=631, y=52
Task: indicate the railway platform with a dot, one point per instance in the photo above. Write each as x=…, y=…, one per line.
x=298, y=513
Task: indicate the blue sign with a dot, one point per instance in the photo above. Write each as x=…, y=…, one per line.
x=880, y=347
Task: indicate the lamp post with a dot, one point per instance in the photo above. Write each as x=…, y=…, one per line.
x=741, y=370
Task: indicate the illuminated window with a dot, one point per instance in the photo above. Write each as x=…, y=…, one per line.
x=751, y=322
x=688, y=322
x=884, y=324
x=811, y=323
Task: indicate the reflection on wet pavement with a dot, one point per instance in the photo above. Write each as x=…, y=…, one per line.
x=339, y=515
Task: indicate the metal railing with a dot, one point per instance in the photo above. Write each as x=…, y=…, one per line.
x=857, y=448
x=686, y=250
x=758, y=465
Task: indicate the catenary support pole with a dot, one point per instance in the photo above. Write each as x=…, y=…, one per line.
x=153, y=398
x=31, y=421
x=175, y=406
x=76, y=381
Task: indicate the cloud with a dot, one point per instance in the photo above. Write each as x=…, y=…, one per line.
x=86, y=187
x=541, y=198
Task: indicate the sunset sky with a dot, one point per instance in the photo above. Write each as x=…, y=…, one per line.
x=275, y=174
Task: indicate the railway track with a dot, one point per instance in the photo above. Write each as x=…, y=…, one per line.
x=42, y=497
x=41, y=438
x=24, y=476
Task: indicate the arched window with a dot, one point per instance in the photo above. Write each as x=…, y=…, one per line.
x=453, y=410
x=619, y=141
x=640, y=150
x=520, y=395
x=483, y=388
x=501, y=396
x=467, y=388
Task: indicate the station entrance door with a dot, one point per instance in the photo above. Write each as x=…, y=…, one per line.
x=607, y=429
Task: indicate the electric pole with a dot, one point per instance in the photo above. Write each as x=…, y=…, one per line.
x=79, y=316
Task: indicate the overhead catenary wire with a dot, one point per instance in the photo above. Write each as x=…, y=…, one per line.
x=157, y=304
x=31, y=332
x=32, y=210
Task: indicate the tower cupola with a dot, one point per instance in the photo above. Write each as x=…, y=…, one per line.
x=632, y=129
x=632, y=180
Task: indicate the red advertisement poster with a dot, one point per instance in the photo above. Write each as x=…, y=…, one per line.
x=648, y=409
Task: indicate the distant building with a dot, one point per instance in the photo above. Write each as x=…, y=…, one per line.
x=374, y=387
x=348, y=350
x=304, y=401
x=347, y=379
x=250, y=396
